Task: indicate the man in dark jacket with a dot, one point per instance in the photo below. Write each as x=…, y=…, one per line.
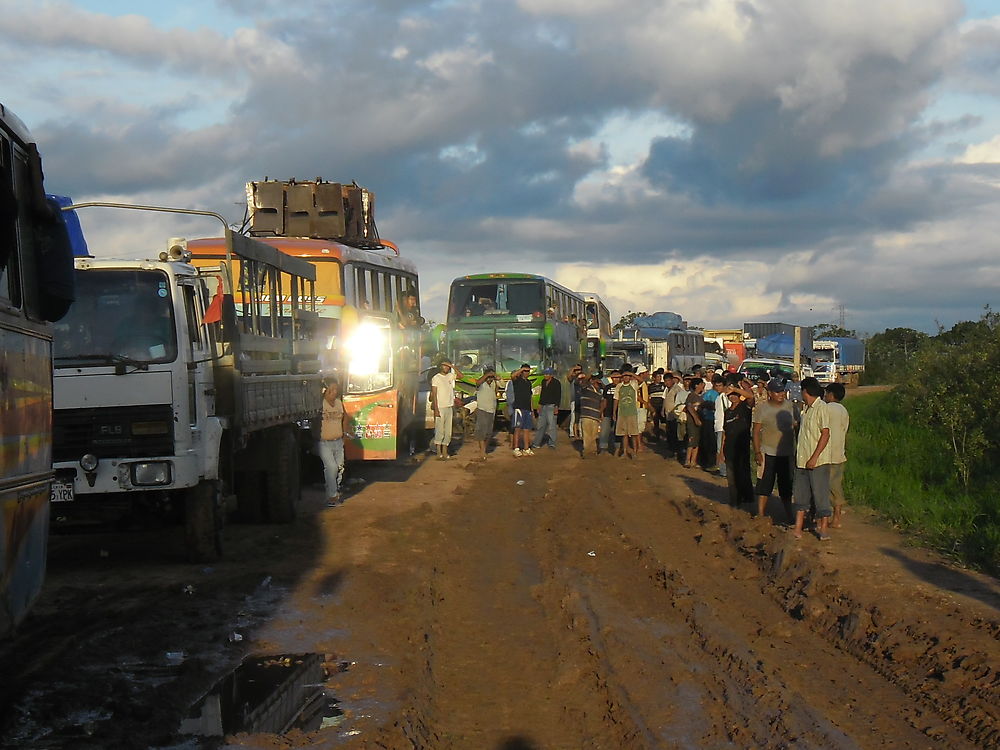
x=548, y=407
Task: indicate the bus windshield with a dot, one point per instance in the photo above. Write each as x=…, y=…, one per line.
x=473, y=350
x=519, y=347
x=486, y=298
x=119, y=316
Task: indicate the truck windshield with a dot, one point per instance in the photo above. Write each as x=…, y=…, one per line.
x=119, y=316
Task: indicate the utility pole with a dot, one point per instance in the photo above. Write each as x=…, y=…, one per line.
x=797, y=355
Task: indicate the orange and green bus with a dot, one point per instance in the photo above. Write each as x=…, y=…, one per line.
x=371, y=341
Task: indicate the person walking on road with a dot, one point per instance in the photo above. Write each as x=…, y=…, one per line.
x=774, y=446
x=840, y=423
x=331, y=441
x=443, y=405
x=521, y=417
x=589, y=414
x=812, y=461
x=548, y=404
x=486, y=409
x=626, y=413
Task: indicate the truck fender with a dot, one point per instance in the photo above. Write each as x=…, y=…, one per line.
x=211, y=446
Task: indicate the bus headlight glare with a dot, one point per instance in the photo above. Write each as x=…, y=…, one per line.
x=365, y=349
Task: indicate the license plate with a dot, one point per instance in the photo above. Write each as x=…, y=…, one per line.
x=62, y=492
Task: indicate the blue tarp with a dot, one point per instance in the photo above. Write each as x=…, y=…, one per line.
x=669, y=320
x=76, y=239
x=781, y=345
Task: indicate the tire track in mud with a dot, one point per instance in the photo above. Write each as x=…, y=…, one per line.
x=948, y=666
x=691, y=625
x=661, y=640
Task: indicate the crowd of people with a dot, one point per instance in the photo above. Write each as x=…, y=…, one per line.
x=790, y=435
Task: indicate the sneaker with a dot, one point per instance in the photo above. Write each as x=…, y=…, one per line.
x=552, y=446
x=823, y=536
x=517, y=451
x=528, y=452
x=334, y=501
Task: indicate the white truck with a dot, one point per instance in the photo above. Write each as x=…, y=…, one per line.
x=179, y=390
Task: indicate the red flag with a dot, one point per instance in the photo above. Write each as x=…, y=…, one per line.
x=213, y=314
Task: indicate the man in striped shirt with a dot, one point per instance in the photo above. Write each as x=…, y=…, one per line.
x=589, y=415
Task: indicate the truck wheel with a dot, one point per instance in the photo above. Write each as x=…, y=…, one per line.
x=283, y=481
x=203, y=523
x=250, y=493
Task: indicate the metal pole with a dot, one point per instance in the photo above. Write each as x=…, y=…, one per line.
x=162, y=209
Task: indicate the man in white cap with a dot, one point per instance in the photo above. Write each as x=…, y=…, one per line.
x=443, y=405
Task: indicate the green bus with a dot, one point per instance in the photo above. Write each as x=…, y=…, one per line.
x=506, y=319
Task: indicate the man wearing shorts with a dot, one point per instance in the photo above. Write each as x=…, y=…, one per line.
x=692, y=408
x=812, y=461
x=520, y=414
x=486, y=408
x=840, y=422
x=774, y=423
x=627, y=413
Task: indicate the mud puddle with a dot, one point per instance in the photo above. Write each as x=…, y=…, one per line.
x=267, y=694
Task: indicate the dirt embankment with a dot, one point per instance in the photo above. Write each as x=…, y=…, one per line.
x=600, y=603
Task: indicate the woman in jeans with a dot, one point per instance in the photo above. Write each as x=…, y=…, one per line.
x=331, y=441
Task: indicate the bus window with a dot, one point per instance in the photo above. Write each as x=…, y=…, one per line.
x=375, y=289
x=361, y=300
x=389, y=282
x=9, y=271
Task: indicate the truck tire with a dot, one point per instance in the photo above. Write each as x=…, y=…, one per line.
x=203, y=523
x=250, y=496
x=283, y=480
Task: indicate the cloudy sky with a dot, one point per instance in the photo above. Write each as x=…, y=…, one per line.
x=730, y=160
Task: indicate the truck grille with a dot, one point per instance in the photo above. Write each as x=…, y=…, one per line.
x=113, y=432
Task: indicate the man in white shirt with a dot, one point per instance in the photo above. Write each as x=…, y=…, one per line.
x=443, y=405
x=840, y=422
x=812, y=461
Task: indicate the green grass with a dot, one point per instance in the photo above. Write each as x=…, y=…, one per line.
x=905, y=473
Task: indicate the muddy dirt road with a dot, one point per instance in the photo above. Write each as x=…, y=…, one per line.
x=603, y=603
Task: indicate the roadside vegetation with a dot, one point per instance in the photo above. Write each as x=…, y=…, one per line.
x=927, y=454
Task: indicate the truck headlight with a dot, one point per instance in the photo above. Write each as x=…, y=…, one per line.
x=88, y=462
x=151, y=473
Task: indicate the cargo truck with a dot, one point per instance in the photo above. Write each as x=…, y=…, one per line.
x=839, y=359
x=172, y=399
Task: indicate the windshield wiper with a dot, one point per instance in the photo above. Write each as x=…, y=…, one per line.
x=112, y=359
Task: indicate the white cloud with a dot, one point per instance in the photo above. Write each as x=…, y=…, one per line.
x=982, y=153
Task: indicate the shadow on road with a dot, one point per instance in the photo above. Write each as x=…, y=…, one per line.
x=948, y=578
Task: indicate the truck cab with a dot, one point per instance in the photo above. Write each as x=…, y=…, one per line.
x=180, y=391
x=132, y=388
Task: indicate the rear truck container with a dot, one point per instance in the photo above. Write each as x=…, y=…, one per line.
x=178, y=391
x=843, y=357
